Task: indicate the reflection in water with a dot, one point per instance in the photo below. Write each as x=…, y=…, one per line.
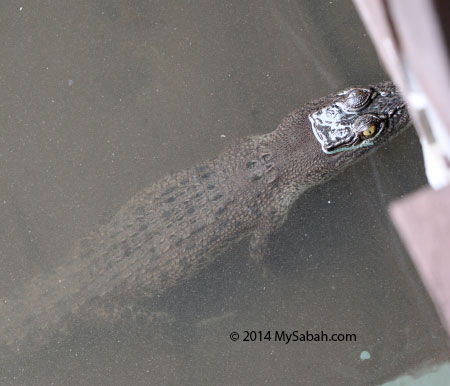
x=155, y=86
x=436, y=376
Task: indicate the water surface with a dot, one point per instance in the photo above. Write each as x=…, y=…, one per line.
x=99, y=99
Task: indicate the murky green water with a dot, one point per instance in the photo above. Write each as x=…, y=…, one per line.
x=99, y=99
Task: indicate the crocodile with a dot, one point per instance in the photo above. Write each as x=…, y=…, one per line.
x=169, y=231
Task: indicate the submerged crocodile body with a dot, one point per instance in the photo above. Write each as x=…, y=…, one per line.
x=170, y=230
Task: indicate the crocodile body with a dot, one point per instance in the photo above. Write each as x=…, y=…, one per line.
x=169, y=231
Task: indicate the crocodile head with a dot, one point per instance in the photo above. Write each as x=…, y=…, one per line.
x=359, y=118
x=326, y=135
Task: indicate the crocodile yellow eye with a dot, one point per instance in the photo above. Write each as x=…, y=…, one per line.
x=370, y=131
x=368, y=126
